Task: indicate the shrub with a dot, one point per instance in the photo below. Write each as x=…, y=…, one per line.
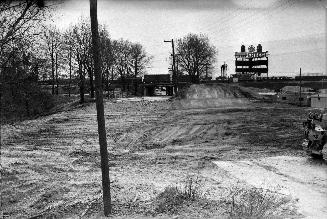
x=170, y=200
x=191, y=188
x=173, y=197
x=255, y=203
x=23, y=100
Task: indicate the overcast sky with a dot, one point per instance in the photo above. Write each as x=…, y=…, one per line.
x=293, y=31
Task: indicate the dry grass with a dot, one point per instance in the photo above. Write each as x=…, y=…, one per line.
x=173, y=198
x=255, y=203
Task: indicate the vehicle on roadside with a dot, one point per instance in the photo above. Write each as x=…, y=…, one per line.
x=315, y=134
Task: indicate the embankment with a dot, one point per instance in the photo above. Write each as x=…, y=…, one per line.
x=214, y=96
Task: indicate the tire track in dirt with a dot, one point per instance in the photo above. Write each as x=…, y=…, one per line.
x=60, y=152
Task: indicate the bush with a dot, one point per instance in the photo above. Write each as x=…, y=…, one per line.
x=255, y=203
x=191, y=189
x=23, y=100
x=170, y=200
x=174, y=197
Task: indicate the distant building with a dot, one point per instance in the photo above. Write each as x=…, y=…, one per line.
x=311, y=77
x=295, y=89
x=295, y=98
x=292, y=95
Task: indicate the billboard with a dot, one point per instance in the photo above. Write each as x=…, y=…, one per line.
x=251, y=54
x=253, y=62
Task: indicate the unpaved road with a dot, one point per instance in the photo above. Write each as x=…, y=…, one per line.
x=305, y=180
x=51, y=167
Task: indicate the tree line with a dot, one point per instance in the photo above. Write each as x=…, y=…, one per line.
x=20, y=61
x=31, y=50
x=119, y=58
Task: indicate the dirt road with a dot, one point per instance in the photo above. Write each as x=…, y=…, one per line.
x=305, y=180
x=51, y=167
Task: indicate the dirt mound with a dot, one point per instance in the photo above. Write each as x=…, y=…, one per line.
x=220, y=95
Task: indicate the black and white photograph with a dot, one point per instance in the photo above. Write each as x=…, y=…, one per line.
x=163, y=109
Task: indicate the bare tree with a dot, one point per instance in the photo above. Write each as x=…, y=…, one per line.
x=20, y=60
x=53, y=43
x=108, y=57
x=139, y=58
x=100, y=109
x=196, y=55
x=17, y=19
x=122, y=60
x=67, y=49
x=82, y=37
x=78, y=39
x=140, y=61
x=129, y=59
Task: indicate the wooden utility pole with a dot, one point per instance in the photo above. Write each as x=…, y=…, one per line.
x=70, y=68
x=177, y=63
x=300, y=99
x=174, y=66
x=57, y=82
x=326, y=39
x=267, y=68
x=52, y=67
x=136, y=73
x=100, y=109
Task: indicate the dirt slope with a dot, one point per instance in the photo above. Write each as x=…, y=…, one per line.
x=213, y=96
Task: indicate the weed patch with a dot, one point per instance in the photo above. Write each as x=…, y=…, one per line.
x=255, y=203
x=171, y=200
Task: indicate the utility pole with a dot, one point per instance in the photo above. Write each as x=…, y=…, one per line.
x=326, y=40
x=300, y=88
x=177, y=62
x=57, y=83
x=52, y=67
x=177, y=71
x=136, y=73
x=112, y=80
x=100, y=109
x=174, y=67
x=70, y=68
